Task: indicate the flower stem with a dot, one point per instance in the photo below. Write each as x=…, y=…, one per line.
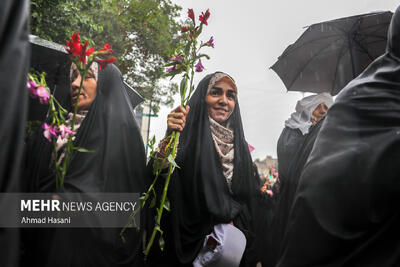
x=163, y=197
x=68, y=149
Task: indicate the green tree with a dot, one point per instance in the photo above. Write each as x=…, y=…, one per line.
x=143, y=33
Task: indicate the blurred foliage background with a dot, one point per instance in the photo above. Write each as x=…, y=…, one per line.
x=143, y=33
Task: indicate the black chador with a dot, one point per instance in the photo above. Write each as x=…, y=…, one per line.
x=117, y=165
x=346, y=209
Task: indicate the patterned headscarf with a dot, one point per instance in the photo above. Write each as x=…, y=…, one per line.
x=223, y=136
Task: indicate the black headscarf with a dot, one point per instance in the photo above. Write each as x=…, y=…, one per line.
x=346, y=211
x=116, y=165
x=199, y=193
x=14, y=63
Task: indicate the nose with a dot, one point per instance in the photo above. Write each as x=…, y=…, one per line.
x=223, y=100
x=324, y=109
x=76, y=82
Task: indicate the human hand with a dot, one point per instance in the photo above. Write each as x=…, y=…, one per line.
x=177, y=119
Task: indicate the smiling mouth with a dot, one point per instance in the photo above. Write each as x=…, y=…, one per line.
x=221, y=110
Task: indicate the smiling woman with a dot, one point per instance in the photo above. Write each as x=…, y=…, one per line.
x=215, y=197
x=221, y=99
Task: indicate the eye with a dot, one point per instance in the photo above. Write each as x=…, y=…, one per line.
x=74, y=75
x=231, y=95
x=89, y=76
x=214, y=92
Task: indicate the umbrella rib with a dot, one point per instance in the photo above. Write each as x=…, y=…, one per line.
x=311, y=59
x=337, y=67
x=363, y=49
x=311, y=41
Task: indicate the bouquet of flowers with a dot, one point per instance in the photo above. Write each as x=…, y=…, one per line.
x=56, y=128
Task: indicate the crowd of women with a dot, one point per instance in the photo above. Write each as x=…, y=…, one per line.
x=339, y=193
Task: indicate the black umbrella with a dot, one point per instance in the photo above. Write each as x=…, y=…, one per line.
x=330, y=54
x=52, y=58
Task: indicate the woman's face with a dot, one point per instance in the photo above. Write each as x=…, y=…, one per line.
x=88, y=92
x=319, y=112
x=221, y=101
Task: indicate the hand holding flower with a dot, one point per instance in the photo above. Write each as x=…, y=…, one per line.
x=177, y=119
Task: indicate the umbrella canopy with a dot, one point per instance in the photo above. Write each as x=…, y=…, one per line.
x=330, y=54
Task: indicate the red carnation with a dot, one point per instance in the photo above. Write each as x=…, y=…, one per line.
x=204, y=17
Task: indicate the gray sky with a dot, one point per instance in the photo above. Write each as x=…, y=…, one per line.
x=249, y=36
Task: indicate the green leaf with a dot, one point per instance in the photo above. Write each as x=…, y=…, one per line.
x=167, y=205
x=169, y=64
x=200, y=30
x=174, y=72
x=203, y=55
x=172, y=161
x=187, y=48
x=182, y=86
x=143, y=197
x=161, y=243
x=83, y=150
x=153, y=202
x=158, y=229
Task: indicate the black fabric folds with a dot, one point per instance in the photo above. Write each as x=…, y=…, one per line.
x=300, y=147
x=346, y=211
x=289, y=143
x=14, y=63
x=117, y=165
x=199, y=193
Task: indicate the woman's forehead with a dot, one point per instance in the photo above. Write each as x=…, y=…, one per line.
x=227, y=81
x=221, y=77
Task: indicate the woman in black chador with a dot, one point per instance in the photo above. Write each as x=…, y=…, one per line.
x=294, y=146
x=215, y=194
x=105, y=124
x=346, y=209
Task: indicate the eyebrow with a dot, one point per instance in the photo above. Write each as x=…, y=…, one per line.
x=229, y=90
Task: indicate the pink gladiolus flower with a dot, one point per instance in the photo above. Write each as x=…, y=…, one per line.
x=64, y=131
x=43, y=94
x=177, y=59
x=211, y=42
x=199, y=66
x=191, y=14
x=171, y=68
x=49, y=130
x=32, y=89
x=204, y=17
